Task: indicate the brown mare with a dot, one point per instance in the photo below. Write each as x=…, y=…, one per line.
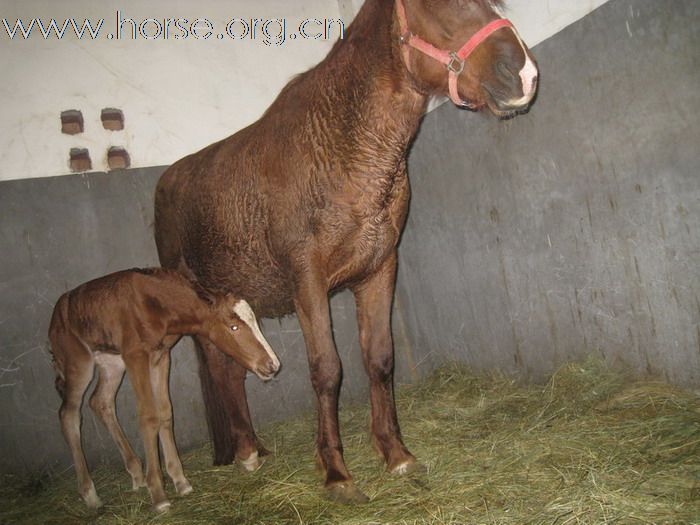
x=131, y=320
x=312, y=198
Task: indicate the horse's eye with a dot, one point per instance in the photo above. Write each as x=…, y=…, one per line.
x=234, y=327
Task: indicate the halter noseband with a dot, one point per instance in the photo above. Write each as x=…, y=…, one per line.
x=454, y=61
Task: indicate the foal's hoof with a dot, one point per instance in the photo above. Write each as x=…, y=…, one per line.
x=408, y=467
x=163, y=506
x=345, y=493
x=92, y=500
x=183, y=487
x=137, y=483
x=253, y=463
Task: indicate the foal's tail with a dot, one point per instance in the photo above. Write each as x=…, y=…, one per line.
x=57, y=358
x=60, y=383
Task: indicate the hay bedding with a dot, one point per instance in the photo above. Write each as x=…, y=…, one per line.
x=587, y=447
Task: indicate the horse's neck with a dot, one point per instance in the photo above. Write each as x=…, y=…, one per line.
x=383, y=108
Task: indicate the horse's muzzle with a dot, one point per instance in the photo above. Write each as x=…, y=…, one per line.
x=267, y=370
x=504, y=106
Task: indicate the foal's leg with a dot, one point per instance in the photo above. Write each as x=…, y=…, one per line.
x=324, y=364
x=78, y=370
x=224, y=386
x=159, y=380
x=110, y=374
x=374, y=298
x=138, y=367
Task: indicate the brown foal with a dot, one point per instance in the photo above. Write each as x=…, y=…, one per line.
x=129, y=321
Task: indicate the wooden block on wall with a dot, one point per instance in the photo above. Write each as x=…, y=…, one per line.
x=72, y=122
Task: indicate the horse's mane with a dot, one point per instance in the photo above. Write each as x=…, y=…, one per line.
x=488, y=4
x=485, y=4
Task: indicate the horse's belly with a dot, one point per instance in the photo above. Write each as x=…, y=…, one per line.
x=249, y=274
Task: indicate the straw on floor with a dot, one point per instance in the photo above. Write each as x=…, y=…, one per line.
x=589, y=446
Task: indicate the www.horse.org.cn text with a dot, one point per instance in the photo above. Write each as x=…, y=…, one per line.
x=269, y=31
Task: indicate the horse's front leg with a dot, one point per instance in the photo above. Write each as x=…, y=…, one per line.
x=374, y=298
x=312, y=308
x=223, y=388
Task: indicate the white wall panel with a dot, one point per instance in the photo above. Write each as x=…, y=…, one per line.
x=177, y=95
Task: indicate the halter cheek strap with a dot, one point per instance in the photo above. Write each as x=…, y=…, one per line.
x=454, y=61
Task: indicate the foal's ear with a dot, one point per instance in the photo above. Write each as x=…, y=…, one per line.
x=203, y=293
x=231, y=300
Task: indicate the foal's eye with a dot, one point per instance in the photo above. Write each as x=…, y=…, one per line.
x=234, y=327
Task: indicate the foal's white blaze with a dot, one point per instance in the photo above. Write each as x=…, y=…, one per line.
x=245, y=312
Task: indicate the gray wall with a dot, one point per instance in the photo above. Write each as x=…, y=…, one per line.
x=575, y=228
x=58, y=232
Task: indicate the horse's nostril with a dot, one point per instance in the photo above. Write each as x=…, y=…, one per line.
x=505, y=71
x=272, y=367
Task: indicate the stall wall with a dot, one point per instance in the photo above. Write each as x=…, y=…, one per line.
x=574, y=229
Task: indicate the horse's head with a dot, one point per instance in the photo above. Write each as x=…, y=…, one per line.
x=465, y=49
x=233, y=328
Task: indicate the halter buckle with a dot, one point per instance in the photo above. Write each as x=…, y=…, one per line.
x=456, y=64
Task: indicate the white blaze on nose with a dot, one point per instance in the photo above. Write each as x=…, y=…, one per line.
x=245, y=312
x=527, y=76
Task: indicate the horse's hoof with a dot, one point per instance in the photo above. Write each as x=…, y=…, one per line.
x=253, y=463
x=409, y=467
x=183, y=487
x=163, y=506
x=345, y=493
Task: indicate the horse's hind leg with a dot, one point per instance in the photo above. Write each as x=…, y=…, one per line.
x=374, y=298
x=78, y=371
x=110, y=374
x=223, y=387
x=159, y=378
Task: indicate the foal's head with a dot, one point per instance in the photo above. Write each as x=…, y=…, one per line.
x=233, y=328
x=499, y=73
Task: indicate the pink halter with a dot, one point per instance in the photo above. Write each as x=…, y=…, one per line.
x=454, y=61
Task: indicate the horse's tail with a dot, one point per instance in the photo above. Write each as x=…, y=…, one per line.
x=217, y=415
